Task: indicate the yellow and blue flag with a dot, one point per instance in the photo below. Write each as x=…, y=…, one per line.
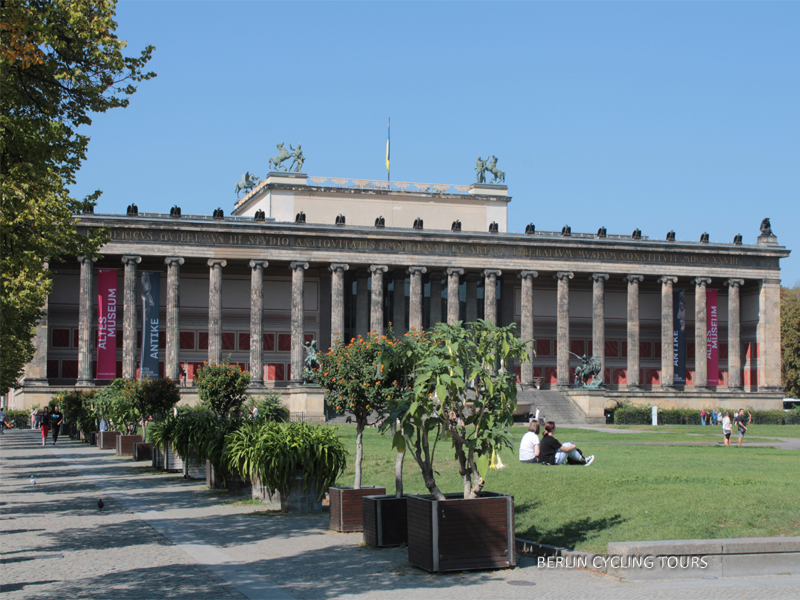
x=388, y=137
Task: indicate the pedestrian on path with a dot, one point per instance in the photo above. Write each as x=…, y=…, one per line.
x=726, y=428
x=44, y=424
x=2, y=421
x=703, y=417
x=56, y=418
x=739, y=420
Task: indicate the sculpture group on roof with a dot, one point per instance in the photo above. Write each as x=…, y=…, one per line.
x=489, y=165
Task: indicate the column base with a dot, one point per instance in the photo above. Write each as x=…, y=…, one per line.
x=735, y=388
x=36, y=382
x=770, y=389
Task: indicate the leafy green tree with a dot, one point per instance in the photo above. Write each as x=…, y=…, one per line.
x=790, y=341
x=222, y=387
x=60, y=61
x=151, y=398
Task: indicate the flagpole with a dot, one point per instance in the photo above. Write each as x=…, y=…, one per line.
x=388, y=142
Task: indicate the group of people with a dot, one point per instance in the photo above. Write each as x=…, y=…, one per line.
x=548, y=450
x=714, y=417
x=46, y=419
x=740, y=420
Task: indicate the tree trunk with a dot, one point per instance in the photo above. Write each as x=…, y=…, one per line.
x=398, y=474
x=359, y=453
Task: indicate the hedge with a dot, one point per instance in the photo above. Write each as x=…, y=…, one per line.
x=20, y=418
x=642, y=415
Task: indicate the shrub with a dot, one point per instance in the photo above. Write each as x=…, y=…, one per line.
x=223, y=388
x=19, y=419
x=270, y=408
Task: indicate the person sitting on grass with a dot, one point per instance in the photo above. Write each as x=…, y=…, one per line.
x=553, y=452
x=529, y=446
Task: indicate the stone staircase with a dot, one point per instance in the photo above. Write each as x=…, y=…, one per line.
x=553, y=406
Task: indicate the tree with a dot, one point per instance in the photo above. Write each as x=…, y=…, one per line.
x=60, y=61
x=222, y=387
x=790, y=341
x=151, y=398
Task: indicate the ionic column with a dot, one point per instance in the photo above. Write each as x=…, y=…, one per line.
x=85, y=320
x=171, y=359
x=768, y=336
x=667, y=332
x=700, y=333
x=415, y=298
x=337, y=301
x=215, y=309
x=526, y=325
x=453, y=305
x=35, y=372
x=129, y=317
x=471, y=280
x=633, y=329
x=399, y=303
x=436, y=297
x=599, y=319
x=490, y=295
x=257, y=321
x=562, y=328
x=362, y=302
x=376, y=305
x=734, y=335
x=298, y=314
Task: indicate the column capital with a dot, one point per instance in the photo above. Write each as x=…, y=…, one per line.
x=298, y=266
x=173, y=260
x=259, y=263
x=735, y=282
x=564, y=275
x=130, y=259
x=416, y=270
x=528, y=275
x=701, y=281
x=492, y=272
x=338, y=267
x=378, y=268
x=217, y=262
x=598, y=277
x=84, y=259
x=667, y=280
x=633, y=278
x=454, y=271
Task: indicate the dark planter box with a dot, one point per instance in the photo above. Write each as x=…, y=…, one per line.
x=298, y=501
x=125, y=444
x=158, y=458
x=261, y=492
x=457, y=534
x=107, y=440
x=93, y=437
x=346, y=506
x=232, y=483
x=384, y=520
x=142, y=451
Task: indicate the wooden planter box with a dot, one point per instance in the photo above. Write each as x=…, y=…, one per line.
x=214, y=480
x=107, y=440
x=158, y=458
x=261, y=492
x=125, y=444
x=142, y=451
x=93, y=436
x=347, y=508
x=457, y=534
x=296, y=501
x=384, y=521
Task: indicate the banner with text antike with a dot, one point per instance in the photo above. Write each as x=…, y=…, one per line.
x=679, y=336
x=107, y=324
x=151, y=295
x=712, y=337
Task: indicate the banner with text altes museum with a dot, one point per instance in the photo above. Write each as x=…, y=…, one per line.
x=107, y=323
x=679, y=336
x=712, y=337
x=151, y=295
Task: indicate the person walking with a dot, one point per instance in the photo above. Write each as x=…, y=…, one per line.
x=2, y=420
x=726, y=428
x=739, y=420
x=56, y=418
x=44, y=424
x=703, y=417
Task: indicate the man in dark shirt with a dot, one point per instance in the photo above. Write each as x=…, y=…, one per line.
x=740, y=423
x=553, y=452
x=56, y=418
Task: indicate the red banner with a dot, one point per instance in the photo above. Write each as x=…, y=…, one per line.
x=712, y=337
x=107, y=323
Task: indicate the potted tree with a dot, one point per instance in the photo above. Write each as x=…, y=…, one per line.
x=352, y=377
x=151, y=399
x=461, y=392
x=295, y=459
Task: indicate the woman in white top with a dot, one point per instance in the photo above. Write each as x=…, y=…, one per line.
x=726, y=428
x=529, y=446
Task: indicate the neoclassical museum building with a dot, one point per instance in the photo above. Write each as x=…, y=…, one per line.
x=302, y=258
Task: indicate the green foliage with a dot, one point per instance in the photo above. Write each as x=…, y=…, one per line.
x=151, y=398
x=223, y=388
x=462, y=392
x=629, y=414
x=73, y=403
x=277, y=452
x=120, y=405
x=60, y=61
x=790, y=341
x=270, y=408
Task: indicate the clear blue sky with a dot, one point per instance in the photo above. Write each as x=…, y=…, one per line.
x=661, y=116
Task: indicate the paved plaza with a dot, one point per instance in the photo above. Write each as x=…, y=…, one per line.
x=160, y=536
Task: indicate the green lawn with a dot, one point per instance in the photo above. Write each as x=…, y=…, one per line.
x=630, y=493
